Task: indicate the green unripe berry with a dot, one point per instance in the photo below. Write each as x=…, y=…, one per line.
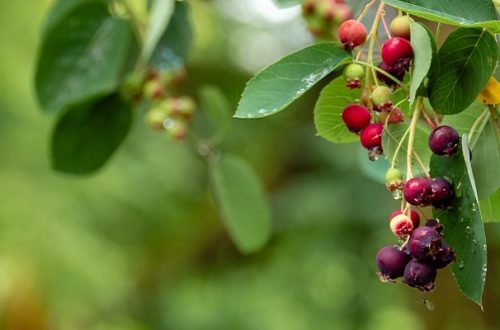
x=353, y=74
x=381, y=98
x=400, y=27
x=394, y=179
x=155, y=118
x=175, y=128
x=153, y=89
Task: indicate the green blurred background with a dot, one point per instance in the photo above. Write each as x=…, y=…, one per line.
x=139, y=245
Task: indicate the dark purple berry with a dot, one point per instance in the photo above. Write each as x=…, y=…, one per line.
x=417, y=191
x=442, y=193
x=444, y=140
x=391, y=262
x=444, y=257
x=396, y=72
x=433, y=223
x=420, y=275
x=425, y=243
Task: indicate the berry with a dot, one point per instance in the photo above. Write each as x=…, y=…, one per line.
x=442, y=193
x=393, y=117
x=342, y=12
x=425, y=243
x=433, y=223
x=401, y=225
x=417, y=191
x=400, y=27
x=397, y=52
x=175, y=128
x=391, y=263
x=153, y=89
x=381, y=98
x=415, y=218
x=352, y=33
x=155, y=118
x=353, y=73
x=308, y=7
x=444, y=257
x=444, y=140
x=394, y=179
x=371, y=136
x=396, y=72
x=420, y=275
x=356, y=117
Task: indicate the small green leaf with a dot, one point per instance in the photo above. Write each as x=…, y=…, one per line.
x=241, y=201
x=161, y=12
x=173, y=47
x=490, y=207
x=422, y=48
x=278, y=85
x=86, y=136
x=463, y=227
x=328, y=111
x=467, y=60
x=82, y=58
x=473, y=13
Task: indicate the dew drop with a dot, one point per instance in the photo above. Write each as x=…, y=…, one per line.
x=168, y=123
x=461, y=264
x=397, y=194
x=262, y=111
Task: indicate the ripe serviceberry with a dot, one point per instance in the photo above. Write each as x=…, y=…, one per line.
x=425, y=243
x=394, y=179
x=397, y=52
x=391, y=263
x=392, y=117
x=420, y=275
x=396, y=72
x=400, y=27
x=444, y=257
x=433, y=223
x=415, y=218
x=444, y=140
x=371, y=136
x=442, y=193
x=356, y=117
x=353, y=74
x=417, y=191
x=352, y=34
x=401, y=225
x=381, y=98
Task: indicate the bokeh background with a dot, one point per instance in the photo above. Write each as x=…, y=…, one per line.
x=139, y=246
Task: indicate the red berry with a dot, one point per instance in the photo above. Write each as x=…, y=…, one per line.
x=442, y=193
x=444, y=140
x=391, y=262
x=393, y=117
x=356, y=117
x=352, y=34
x=371, y=136
x=397, y=52
x=401, y=225
x=420, y=275
x=417, y=191
x=415, y=218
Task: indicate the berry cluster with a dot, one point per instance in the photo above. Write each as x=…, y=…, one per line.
x=375, y=108
x=423, y=250
x=323, y=17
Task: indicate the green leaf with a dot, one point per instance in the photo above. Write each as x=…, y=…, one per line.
x=161, y=13
x=328, y=111
x=490, y=207
x=278, y=85
x=82, y=58
x=86, y=136
x=422, y=48
x=374, y=170
x=216, y=108
x=174, y=45
x=473, y=13
x=392, y=135
x=463, y=227
x=467, y=59
x=287, y=3
x=241, y=201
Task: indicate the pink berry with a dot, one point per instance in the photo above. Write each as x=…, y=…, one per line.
x=401, y=225
x=352, y=34
x=415, y=218
x=397, y=52
x=356, y=117
x=371, y=136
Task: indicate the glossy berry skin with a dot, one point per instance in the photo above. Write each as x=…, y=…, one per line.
x=444, y=141
x=415, y=218
x=351, y=34
x=420, y=275
x=397, y=52
x=425, y=243
x=444, y=258
x=391, y=262
x=371, y=136
x=417, y=191
x=442, y=193
x=393, y=116
x=396, y=72
x=401, y=225
x=400, y=27
x=356, y=117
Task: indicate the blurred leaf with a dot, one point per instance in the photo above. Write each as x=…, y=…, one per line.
x=328, y=111
x=398, y=95
x=287, y=3
x=491, y=93
x=82, y=58
x=463, y=226
x=278, y=85
x=216, y=106
x=490, y=207
x=374, y=170
x=85, y=137
x=479, y=13
x=422, y=48
x=242, y=203
x=161, y=13
x=173, y=46
x=467, y=59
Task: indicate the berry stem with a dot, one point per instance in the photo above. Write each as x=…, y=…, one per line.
x=386, y=28
x=365, y=10
x=428, y=120
x=371, y=66
x=438, y=30
x=137, y=24
x=411, y=138
x=373, y=37
x=398, y=147
x=421, y=163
